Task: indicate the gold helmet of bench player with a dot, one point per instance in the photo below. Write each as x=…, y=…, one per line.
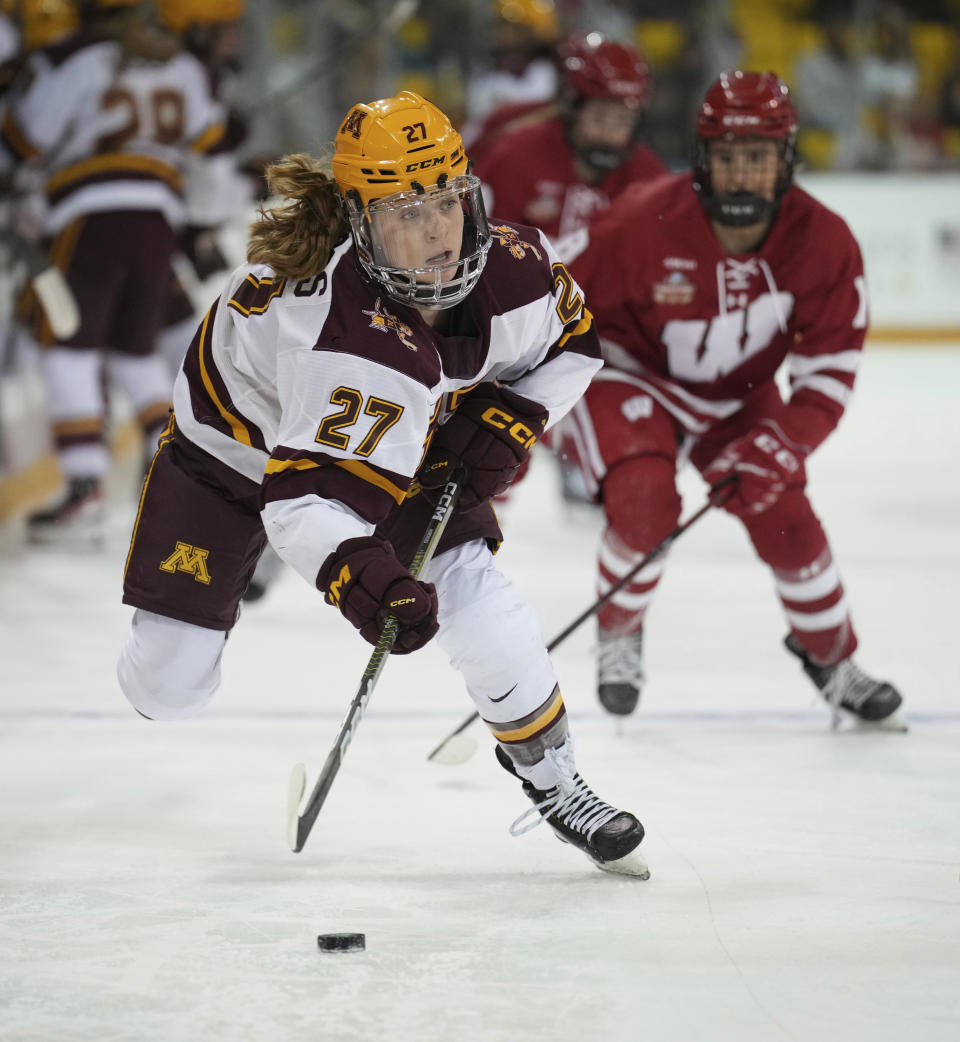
x=45, y=22
x=180, y=15
x=401, y=158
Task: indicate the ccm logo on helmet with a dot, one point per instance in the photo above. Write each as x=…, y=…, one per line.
x=505, y=422
x=425, y=164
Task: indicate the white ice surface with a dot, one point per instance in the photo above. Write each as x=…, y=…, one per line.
x=805, y=883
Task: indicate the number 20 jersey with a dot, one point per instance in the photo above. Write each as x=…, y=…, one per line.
x=325, y=391
x=700, y=331
x=111, y=133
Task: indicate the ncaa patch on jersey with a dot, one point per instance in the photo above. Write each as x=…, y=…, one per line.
x=676, y=289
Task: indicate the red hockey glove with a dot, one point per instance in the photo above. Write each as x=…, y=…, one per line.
x=491, y=434
x=761, y=464
x=364, y=579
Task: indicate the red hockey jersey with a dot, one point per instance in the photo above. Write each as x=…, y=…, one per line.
x=529, y=177
x=701, y=330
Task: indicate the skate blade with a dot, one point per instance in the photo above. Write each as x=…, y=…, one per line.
x=892, y=724
x=631, y=864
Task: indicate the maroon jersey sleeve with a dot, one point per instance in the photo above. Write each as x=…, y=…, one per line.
x=832, y=317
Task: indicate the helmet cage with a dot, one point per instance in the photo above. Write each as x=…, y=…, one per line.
x=740, y=106
x=432, y=287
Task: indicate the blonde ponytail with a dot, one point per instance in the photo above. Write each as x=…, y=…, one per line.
x=297, y=237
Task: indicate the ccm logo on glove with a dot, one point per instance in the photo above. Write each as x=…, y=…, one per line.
x=364, y=579
x=490, y=435
x=505, y=422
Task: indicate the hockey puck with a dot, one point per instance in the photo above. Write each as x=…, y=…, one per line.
x=342, y=942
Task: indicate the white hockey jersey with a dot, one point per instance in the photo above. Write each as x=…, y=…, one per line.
x=111, y=132
x=326, y=391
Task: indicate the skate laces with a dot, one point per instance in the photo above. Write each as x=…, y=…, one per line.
x=620, y=659
x=848, y=686
x=571, y=801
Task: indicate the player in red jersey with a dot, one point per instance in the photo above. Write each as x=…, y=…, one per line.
x=382, y=335
x=559, y=172
x=702, y=285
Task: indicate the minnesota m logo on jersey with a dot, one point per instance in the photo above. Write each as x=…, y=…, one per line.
x=189, y=559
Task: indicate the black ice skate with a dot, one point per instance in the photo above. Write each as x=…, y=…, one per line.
x=620, y=673
x=845, y=686
x=609, y=837
x=77, y=517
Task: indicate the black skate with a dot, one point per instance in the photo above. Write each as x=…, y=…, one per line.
x=609, y=837
x=620, y=673
x=77, y=517
x=845, y=686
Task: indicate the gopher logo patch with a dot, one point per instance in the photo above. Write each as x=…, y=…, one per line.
x=382, y=320
x=510, y=238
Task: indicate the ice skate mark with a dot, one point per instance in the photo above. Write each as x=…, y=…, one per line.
x=784, y=1030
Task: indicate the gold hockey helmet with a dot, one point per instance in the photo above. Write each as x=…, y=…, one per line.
x=45, y=22
x=393, y=145
x=537, y=17
x=402, y=157
x=180, y=15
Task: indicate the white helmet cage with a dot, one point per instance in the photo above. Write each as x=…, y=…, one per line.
x=432, y=287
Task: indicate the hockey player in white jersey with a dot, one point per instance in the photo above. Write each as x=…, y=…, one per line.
x=380, y=337
x=110, y=115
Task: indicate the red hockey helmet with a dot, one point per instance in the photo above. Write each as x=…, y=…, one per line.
x=747, y=104
x=594, y=67
x=744, y=105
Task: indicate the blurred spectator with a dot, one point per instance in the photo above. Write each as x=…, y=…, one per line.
x=616, y=19
x=949, y=108
x=890, y=82
x=827, y=94
x=710, y=44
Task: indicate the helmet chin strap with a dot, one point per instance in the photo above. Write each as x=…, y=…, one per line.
x=739, y=209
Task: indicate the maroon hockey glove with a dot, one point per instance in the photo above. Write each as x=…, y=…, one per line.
x=364, y=579
x=491, y=434
x=762, y=465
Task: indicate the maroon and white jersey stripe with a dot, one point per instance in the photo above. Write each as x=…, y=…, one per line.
x=326, y=391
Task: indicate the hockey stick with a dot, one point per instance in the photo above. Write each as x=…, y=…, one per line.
x=458, y=747
x=299, y=823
